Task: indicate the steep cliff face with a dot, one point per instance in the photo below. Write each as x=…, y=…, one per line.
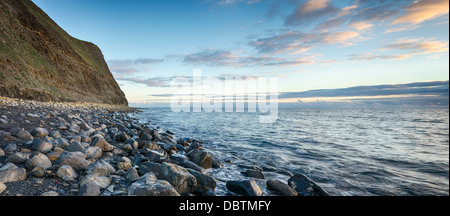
x=39, y=60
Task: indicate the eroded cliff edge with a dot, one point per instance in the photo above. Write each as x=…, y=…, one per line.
x=41, y=61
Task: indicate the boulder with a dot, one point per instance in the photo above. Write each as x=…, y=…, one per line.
x=281, y=188
x=148, y=185
x=100, y=168
x=305, y=186
x=93, y=152
x=39, y=160
x=244, y=187
x=149, y=166
x=25, y=135
x=18, y=158
x=75, y=146
x=39, y=132
x=204, y=182
x=101, y=181
x=41, y=146
x=66, y=170
x=201, y=158
x=254, y=174
x=12, y=173
x=179, y=177
x=154, y=156
x=132, y=174
x=102, y=144
x=74, y=159
x=89, y=189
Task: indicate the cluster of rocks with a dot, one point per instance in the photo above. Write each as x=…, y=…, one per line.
x=68, y=149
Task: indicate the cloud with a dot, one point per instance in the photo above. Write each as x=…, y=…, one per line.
x=417, y=45
x=437, y=88
x=422, y=10
x=131, y=66
x=310, y=11
x=294, y=42
x=360, y=25
x=150, y=82
x=213, y=57
x=411, y=46
x=233, y=2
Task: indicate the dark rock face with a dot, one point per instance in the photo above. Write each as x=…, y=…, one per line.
x=40, y=61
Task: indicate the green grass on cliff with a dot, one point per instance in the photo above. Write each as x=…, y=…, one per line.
x=77, y=45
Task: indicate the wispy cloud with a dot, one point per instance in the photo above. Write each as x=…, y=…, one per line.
x=422, y=10
x=437, y=88
x=294, y=42
x=131, y=66
x=309, y=11
x=408, y=47
x=225, y=58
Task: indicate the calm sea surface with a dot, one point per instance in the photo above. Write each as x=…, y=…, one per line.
x=346, y=151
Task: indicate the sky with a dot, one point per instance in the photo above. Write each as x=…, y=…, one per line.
x=310, y=46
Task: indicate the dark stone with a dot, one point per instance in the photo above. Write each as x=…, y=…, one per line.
x=201, y=158
x=244, y=187
x=305, y=186
x=254, y=174
x=281, y=188
x=204, y=182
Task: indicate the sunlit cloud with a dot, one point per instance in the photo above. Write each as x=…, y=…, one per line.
x=422, y=10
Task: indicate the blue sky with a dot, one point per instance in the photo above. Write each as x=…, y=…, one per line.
x=307, y=44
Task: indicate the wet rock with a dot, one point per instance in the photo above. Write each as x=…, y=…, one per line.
x=39, y=160
x=204, y=182
x=66, y=171
x=39, y=132
x=154, y=156
x=2, y=153
x=254, y=174
x=178, y=158
x=305, y=186
x=179, y=177
x=281, y=188
x=149, y=166
x=216, y=163
x=244, y=187
x=201, y=158
x=192, y=165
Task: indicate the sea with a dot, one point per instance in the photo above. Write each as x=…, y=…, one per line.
x=348, y=152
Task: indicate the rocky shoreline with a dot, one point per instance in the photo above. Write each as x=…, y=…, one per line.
x=81, y=149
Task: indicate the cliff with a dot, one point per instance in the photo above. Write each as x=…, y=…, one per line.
x=40, y=61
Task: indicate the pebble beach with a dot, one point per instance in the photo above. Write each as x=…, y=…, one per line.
x=83, y=149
